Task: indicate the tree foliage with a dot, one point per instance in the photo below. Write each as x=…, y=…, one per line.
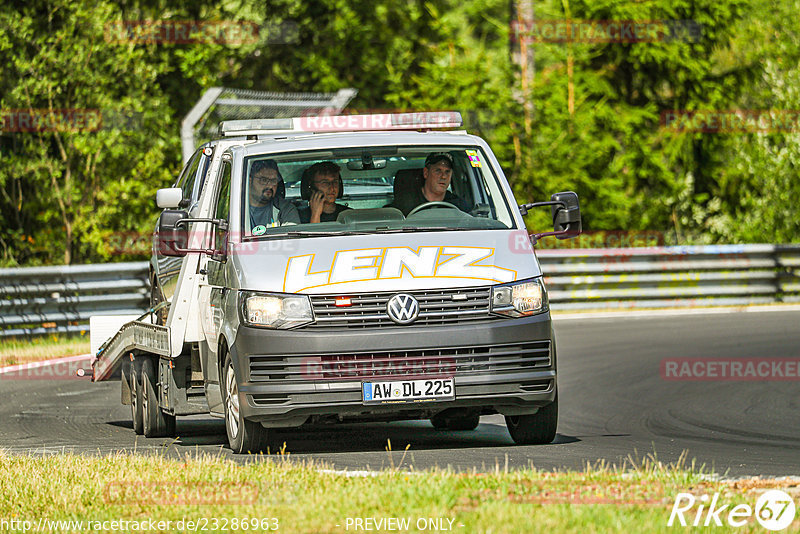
x=590, y=120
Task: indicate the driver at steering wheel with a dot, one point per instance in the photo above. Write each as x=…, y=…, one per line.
x=437, y=173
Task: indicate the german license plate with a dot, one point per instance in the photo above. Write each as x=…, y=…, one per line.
x=399, y=391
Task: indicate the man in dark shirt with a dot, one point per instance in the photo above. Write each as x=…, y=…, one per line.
x=321, y=185
x=437, y=174
x=268, y=205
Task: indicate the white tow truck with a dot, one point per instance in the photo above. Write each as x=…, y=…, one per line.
x=420, y=297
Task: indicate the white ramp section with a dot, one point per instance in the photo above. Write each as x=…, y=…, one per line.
x=103, y=327
x=134, y=335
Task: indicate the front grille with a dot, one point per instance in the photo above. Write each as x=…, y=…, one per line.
x=455, y=361
x=437, y=307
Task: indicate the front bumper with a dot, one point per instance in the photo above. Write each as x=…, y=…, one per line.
x=503, y=366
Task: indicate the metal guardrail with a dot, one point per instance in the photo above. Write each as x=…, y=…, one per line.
x=660, y=277
x=43, y=300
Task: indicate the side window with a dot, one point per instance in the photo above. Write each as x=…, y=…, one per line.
x=223, y=203
x=182, y=179
x=201, y=177
x=191, y=176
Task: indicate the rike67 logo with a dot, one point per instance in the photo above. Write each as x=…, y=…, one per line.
x=774, y=510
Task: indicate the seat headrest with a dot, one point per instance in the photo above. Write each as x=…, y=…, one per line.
x=406, y=180
x=370, y=215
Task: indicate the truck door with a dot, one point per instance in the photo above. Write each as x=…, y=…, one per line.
x=212, y=288
x=167, y=268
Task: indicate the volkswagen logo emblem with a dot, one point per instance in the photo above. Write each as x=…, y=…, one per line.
x=402, y=308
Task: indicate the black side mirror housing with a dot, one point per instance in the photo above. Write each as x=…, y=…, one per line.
x=566, y=213
x=171, y=238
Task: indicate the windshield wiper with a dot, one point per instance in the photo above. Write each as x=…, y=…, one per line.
x=306, y=233
x=425, y=229
x=404, y=229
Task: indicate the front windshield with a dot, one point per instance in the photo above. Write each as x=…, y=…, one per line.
x=372, y=190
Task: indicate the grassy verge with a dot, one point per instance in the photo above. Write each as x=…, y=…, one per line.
x=306, y=498
x=14, y=351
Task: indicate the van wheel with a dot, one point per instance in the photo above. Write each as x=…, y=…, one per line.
x=156, y=423
x=135, y=387
x=441, y=421
x=243, y=436
x=469, y=422
x=536, y=429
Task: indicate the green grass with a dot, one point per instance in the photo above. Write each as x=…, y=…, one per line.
x=23, y=350
x=304, y=498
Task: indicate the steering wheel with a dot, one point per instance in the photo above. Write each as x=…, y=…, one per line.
x=434, y=204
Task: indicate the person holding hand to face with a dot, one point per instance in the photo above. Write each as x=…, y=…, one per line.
x=321, y=185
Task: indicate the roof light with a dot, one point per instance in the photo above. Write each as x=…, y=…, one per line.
x=424, y=120
x=255, y=126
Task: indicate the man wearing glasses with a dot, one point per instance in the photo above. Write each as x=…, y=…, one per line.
x=268, y=204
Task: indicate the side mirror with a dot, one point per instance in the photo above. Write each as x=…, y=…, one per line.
x=566, y=212
x=171, y=239
x=169, y=198
x=566, y=215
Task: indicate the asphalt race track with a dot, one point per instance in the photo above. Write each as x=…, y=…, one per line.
x=614, y=405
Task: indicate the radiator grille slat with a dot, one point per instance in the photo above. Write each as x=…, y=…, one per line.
x=437, y=307
x=453, y=361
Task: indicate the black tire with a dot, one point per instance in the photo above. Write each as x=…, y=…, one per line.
x=442, y=421
x=156, y=423
x=468, y=422
x=536, y=429
x=243, y=436
x=134, y=381
x=439, y=422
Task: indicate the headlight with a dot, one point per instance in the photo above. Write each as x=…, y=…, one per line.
x=520, y=298
x=275, y=310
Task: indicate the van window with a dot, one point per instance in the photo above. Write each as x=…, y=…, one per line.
x=188, y=176
x=391, y=189
x=223, y=203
